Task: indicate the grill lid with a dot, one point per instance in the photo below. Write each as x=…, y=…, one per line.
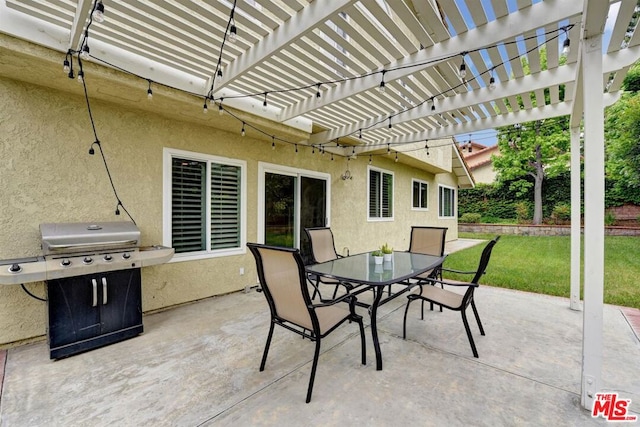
x=75, y=237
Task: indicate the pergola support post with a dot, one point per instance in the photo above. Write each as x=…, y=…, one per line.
x=574, y=302
x=592, y=347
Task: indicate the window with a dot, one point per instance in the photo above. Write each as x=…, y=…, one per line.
x=446, y=201
x=380, y=194
x=420, y=194
x=204, y=212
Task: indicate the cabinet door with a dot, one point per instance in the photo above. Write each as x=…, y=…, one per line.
x=120, y=300
x=73, y=310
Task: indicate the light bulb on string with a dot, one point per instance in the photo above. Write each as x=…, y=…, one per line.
x=220, y=108
x=492, y=81
x=66, y=66
x=388, y=148
x=390, y=125
x=370, y=159
x=566, y=46
x=81, y=77
x=205, y=109
x=233, y=33
x=149, y=92
x=296, y=148
x=85, y=52
x=426, y=146
x=118, y=207
x=396, y=158
x=318, y=94
x=98, y=12
x=382, y=87
x=264, y=104
x=243, y=132
x=463, y=70
x=273, y=142
x=313, y=149
x=219, y=74
x=433, y=104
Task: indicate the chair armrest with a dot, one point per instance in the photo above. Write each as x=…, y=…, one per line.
x=444, y=282
x=346, y=297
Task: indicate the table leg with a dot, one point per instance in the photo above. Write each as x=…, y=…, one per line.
x=374, y=326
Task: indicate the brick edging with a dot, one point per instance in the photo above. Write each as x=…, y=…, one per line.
x=539, y=230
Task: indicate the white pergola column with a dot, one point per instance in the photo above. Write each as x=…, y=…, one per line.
x=574, y=301
x=592, y=344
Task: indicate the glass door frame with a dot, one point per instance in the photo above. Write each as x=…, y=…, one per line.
x=264, y=168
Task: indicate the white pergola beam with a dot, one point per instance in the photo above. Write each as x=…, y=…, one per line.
x=307, y=19
x=82, y=13
x=504, y=28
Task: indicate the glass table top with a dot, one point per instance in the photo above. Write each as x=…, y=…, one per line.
x=362, y=269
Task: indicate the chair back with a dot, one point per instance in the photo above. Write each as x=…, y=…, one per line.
x=322, y=245
x=484, y=260
x=282, y=276
x=428, y=240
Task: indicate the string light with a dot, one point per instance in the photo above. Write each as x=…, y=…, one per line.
x=566, y=46
x=463, y=68
x=388, y=148
x=318, y=94
x=233, y=30
x=66, y=66
x=396, y=158
x=426, y=146
x=219, y=75
x=220, y=109
x=149, y=92
x=296, y=148
x=205, y=109
x=264, y=104
x=433, y=104
x=370, y=158
x=273, y=142
x=243, y=132
x=390, y=125
x=492, y=81
x=81, y=76
x=382, y=88
x=98, y=12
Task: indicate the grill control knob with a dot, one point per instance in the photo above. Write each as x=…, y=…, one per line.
x=15, y=268
x=126, y=255
x=108, y=257
x=87, y=260
x=65, y=262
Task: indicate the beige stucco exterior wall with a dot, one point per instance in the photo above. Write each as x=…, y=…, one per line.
x=484, y=174
x=47, y=175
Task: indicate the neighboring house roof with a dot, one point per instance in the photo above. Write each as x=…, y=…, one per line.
x=479, y=156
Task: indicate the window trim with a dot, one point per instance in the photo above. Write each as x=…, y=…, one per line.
x=168, y=154
x=420, y=208
x=453, y=202
x=393, y=194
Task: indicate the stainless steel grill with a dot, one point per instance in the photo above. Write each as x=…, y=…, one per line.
x=74, y=249
x=94, y=285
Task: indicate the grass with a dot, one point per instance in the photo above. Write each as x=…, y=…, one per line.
x=541, y=264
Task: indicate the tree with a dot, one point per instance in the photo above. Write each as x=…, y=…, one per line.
x=538, y=150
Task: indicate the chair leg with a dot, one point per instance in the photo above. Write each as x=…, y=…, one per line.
x=316, y=355
x=266, y=347
x=475, y=311
x=466, y=327
x=404, y=322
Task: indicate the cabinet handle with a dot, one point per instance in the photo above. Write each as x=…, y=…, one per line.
x=95, y=292
x=104, y=291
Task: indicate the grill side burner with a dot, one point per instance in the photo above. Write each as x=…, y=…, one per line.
x=94, y=287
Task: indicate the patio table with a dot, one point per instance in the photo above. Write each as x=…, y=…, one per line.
x=361, y=269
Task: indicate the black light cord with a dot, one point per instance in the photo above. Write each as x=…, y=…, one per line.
x=30, y=294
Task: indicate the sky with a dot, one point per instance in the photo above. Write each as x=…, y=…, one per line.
x=489, y=136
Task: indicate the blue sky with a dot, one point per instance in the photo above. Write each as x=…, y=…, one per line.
x=488, y=137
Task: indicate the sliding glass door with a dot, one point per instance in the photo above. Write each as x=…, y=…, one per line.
x=291, y=200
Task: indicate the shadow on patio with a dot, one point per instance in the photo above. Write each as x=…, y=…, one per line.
x=198, y=365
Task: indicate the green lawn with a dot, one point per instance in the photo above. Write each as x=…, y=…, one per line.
x=542, y=264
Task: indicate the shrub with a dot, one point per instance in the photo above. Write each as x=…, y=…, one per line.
x=470, y=218
x=522, y=212
x=609, y=218
x=561, y=213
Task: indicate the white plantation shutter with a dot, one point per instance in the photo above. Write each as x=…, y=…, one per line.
x=188, y=201
x=380, y=194
x=225, y=206
x=206, y=205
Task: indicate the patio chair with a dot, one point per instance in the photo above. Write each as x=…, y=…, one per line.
x=428, y=241
x=284, y=284
x=453, y=300
x=322, y=250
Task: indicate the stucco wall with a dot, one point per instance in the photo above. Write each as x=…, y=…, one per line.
x=47, y=175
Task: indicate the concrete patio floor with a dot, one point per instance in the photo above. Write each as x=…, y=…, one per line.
x=198, y=365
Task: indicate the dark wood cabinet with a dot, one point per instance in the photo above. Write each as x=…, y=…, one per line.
x=91, y=311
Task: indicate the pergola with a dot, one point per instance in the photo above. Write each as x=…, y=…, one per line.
x=369, y=76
